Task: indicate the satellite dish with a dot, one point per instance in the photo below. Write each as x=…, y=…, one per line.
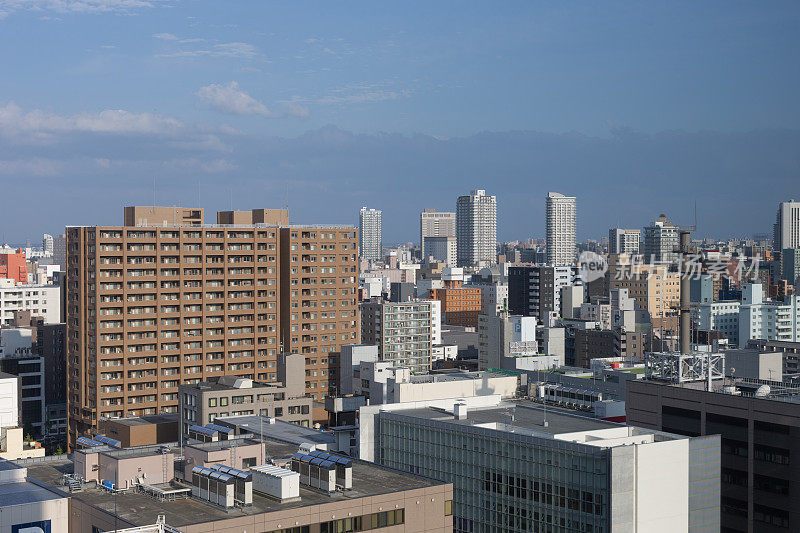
x=763, y=391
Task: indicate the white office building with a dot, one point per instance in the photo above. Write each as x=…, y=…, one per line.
x=623, y=241
x=509, y=342
x=517, y=468
x=767, y=320
x=47, y=244
x=433, y=223
x=476, y=229
x=722, y=316
x=369, y=228
x=40, y=300
x=561, y=213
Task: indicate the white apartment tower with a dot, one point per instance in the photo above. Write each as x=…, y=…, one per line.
x=476, y=228
x=560, y=229
x=369, y=229
x=435, y=224
x=623, y=241
x=786, y=232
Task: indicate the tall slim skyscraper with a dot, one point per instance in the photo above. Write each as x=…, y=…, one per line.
x=623, y=241
x=786, y=231
x=369, y=226
x=560, y=229
x=476, y=228
x=435, y=224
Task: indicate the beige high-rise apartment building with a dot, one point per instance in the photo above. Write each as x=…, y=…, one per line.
x=319, y=293
x=154, y=305
x=654, y=287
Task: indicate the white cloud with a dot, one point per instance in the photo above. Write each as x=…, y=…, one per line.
x=77, y=6
x=229, y=50
x=228, y=98
x=14, y=121
x=165, y=37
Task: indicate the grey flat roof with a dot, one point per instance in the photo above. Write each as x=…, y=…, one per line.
x=279, y=430
x=527, y=415
x=258, y=387
x=144, y=420
x=458, y=376
x=138, y=451
x=24, y=492
x=368, y=480
x=222, y=444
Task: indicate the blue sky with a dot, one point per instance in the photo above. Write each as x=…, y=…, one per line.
x=387, y=105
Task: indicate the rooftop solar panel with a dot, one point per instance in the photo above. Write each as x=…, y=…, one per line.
x=221, y=429
x=201, y=429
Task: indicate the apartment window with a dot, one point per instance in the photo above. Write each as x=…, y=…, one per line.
x=212, y=402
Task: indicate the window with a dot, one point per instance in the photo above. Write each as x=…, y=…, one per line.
x=212, y=402
x=223, y=402
x=448, y=508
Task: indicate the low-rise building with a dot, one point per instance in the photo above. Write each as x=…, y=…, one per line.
x=142, y=430
x=378, y=498
x=721, y=316
x=765, y=319
x=512, y=342
x=40, y=300
x=27, y=506
x=236, y=396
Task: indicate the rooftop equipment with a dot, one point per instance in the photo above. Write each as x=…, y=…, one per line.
x=213, y=486
x=243, y=483
x=276, y=482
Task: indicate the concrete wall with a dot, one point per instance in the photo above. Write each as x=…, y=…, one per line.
x=505, y=386
x=128, y=471
x=368, y=414
x=200, y=457
x=9, y=400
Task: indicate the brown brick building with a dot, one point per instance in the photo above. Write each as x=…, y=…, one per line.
x=162, y=303
x=460, y=305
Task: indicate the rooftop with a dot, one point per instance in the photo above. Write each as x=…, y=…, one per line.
x=145, y=420
x=25, y=492
x=226, y=386
x=527, y=418
x=277, y=430
x=456, y=376
x=368, y=480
